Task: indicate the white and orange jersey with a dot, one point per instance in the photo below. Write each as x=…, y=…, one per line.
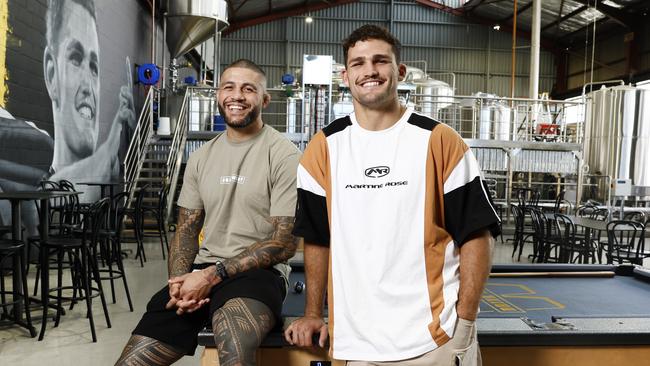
x=393, y=206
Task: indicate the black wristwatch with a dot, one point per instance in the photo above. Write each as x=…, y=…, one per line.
x=221, y=271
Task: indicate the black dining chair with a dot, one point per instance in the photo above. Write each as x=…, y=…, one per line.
x=573, y=248
x=585, y=210
x=522, y=232
x=528, y=197
x=546, y=238
x=626, y=242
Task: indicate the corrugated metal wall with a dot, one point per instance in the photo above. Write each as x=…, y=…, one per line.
x=479, y=56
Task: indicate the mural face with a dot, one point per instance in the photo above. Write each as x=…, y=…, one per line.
x=71, y=68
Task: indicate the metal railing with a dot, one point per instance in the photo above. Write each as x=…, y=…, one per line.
x=490, y=117
x=176, y=150
x=137, y=151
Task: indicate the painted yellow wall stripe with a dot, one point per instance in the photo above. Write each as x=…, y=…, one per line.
x=4, y=30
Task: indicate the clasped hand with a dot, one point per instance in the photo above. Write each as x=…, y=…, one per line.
x=189, y=292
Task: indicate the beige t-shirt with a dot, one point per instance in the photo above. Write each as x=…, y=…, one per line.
x=240, y=185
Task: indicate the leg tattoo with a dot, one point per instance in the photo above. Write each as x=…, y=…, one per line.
x=239, y=328
x=144, y=351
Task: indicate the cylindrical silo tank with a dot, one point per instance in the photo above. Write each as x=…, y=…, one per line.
x=494, y=117
x=617, y=133
x=433, y=95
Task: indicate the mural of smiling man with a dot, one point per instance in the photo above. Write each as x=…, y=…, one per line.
x=71, y=65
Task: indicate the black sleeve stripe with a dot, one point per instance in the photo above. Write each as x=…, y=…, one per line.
x=312, y=222
x=468, y=211
x=423, y=121
x=337, y=126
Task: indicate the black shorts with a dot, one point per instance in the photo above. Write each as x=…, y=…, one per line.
x=180, y=331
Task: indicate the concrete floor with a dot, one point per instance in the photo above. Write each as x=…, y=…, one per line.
x=71, y=342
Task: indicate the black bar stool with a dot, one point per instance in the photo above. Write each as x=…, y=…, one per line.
x=82, y=249
x=14, y=250
x=111, y=248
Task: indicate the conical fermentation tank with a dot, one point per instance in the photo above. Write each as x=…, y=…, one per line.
x=192, y=22
x=617, y=133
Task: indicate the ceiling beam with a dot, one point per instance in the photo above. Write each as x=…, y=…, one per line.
x=547, y=44
x=568, y=36
x=284, y=14
x=565, y=17
x=443, y=7
x=519, y=11
x=619, y=16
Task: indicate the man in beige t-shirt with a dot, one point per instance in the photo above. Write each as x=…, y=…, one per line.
x=241, y=188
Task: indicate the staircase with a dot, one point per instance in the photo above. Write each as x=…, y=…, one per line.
x=156, y=160
x=154, y=168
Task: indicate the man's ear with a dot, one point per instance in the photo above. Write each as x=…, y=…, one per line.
x=344, y=75
x=51, y=76
x=401, y=69
x=266, y=100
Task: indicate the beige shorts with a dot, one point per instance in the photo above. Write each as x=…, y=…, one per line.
x=461, y=350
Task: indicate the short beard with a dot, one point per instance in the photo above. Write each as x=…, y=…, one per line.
x=245, y=122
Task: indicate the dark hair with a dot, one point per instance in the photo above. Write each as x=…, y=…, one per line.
x=54, y=19
x=246, y=64
x=370, y=31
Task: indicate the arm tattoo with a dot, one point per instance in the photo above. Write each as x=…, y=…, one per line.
x=185, y=244
x=278, y=248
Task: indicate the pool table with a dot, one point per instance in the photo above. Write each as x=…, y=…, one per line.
x=530, y=314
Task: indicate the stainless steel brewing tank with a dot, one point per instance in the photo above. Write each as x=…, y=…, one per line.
x=202, y=109
x=494, y=117
x=617, y=133
x=433, y=95
x=192, y=22
x=483, y=116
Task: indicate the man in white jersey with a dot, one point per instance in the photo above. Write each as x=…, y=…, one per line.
x=396, y=223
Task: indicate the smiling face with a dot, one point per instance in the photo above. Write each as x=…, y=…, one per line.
x=372, y=74
x=72, y=70
x=242, y=95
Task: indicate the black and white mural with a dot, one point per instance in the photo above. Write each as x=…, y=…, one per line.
x=68, y=103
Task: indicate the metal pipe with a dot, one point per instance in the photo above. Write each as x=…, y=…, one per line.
x=487, y=63
x=214, y=53
x=510, y=176
x=153, y=34
x=417, y=61
x=217, y=66
x=164, y=67
x=513, y=65
x=202, y=64
x=533, y=89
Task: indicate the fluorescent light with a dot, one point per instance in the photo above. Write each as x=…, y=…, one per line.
x=309, y=19
x=496, y=27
